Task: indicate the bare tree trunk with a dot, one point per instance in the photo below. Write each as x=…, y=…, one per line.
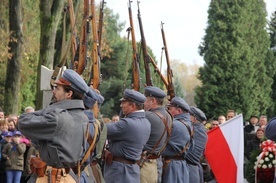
x=50, y=15
x=12, y=85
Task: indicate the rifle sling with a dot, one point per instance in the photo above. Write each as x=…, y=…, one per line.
x=91, y=142
x=191, y=137
x=167, y=129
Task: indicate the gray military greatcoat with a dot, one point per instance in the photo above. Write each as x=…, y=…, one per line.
x=59, y=130
x=127, y=138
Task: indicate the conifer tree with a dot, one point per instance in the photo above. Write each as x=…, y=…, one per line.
x=235, y=49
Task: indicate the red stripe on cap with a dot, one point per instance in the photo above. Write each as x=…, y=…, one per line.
x=62, y=81
x=220, y=158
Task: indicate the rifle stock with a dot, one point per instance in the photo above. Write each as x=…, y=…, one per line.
x=80, y=66
x=100, y=24
x=144, y=49
x=95, y=67
x=135, y=58
x=170, y=87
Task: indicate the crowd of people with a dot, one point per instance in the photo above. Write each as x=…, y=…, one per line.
x=152, y=140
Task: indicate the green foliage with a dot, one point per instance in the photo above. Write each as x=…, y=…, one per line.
x=272, y=57
x=235, y=49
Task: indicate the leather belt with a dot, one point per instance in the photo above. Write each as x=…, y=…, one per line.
x=191, y=163
x=174, y=158
x=123, y=160
x=153, y=156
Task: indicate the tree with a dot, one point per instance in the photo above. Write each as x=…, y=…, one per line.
x=235, y=49
x=50, y=15
x=272, y=56
x=12, y=85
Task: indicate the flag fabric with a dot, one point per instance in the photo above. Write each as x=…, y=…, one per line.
x=225, y=151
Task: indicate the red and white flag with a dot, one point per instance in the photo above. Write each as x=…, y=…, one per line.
x=224, y=151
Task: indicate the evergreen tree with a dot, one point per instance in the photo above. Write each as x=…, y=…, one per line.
x=272, y=56
x=235, y=49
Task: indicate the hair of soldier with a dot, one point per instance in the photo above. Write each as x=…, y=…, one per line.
x=139, y=106
x=159, y=101
x=75, y=95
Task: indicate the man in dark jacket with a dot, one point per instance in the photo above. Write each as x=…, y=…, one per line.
x=60, y=128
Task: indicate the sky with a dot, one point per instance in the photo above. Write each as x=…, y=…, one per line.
x=184, y=25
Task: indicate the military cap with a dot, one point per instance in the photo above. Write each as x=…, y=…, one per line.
x=7, y=134
x=74, y=80
x=91, y=97
x=17, y=133
x=179, y=102
x=100, y=99
x=153, y=91
x=200, y=116
x=133, y=96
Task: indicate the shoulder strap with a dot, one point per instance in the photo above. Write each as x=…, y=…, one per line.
x=91, y=141
x=191, y=132
x=166, y=129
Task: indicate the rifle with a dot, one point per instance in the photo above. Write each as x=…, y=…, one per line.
x=170, y=87
x=74, y=39
x=146, y=56
x=83, y=39
x=100, y=24
x=95, y=74
x=135, y=58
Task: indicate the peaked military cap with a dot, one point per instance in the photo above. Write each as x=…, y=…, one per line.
x=74, y=80
x=133, y=96
x=153, y=91
x=100, y=99
x=179, y=102
x=91, y=97
x=200, y=116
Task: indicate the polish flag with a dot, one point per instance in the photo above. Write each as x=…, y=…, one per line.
x=224, y=151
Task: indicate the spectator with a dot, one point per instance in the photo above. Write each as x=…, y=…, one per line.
x=254, y=144
x=4, y=126
x=115, y=118
x=253, y=125
x=262, y=121
x=29, y=109
x=230, y=114
x=14, y=118
x=12, y=127
x=13, y=153
x=2, y=115
x=6, y=139
x=214, y=124
x=221, y=119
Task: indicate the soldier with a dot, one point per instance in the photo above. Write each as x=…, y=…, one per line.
x=161, y=123
x=59, y=129
x=127, y=138
x=95, y=128
x=174, y=165
x=200, y=139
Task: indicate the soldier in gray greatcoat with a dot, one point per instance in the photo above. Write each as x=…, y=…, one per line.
x=174, y=165
x=127, y=138
x=161, y=124
x=60, y=128
x=200, y=139
x=87, y=175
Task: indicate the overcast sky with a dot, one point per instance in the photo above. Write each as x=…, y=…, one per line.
x=185, y=23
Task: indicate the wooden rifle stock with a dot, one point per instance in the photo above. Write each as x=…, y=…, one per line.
x=95, y=67
x=170, y=87
x=74, y=42
x=83, y=39
x=156, y=69
x=145, y=51
x=100, y=24
x=135, y=58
